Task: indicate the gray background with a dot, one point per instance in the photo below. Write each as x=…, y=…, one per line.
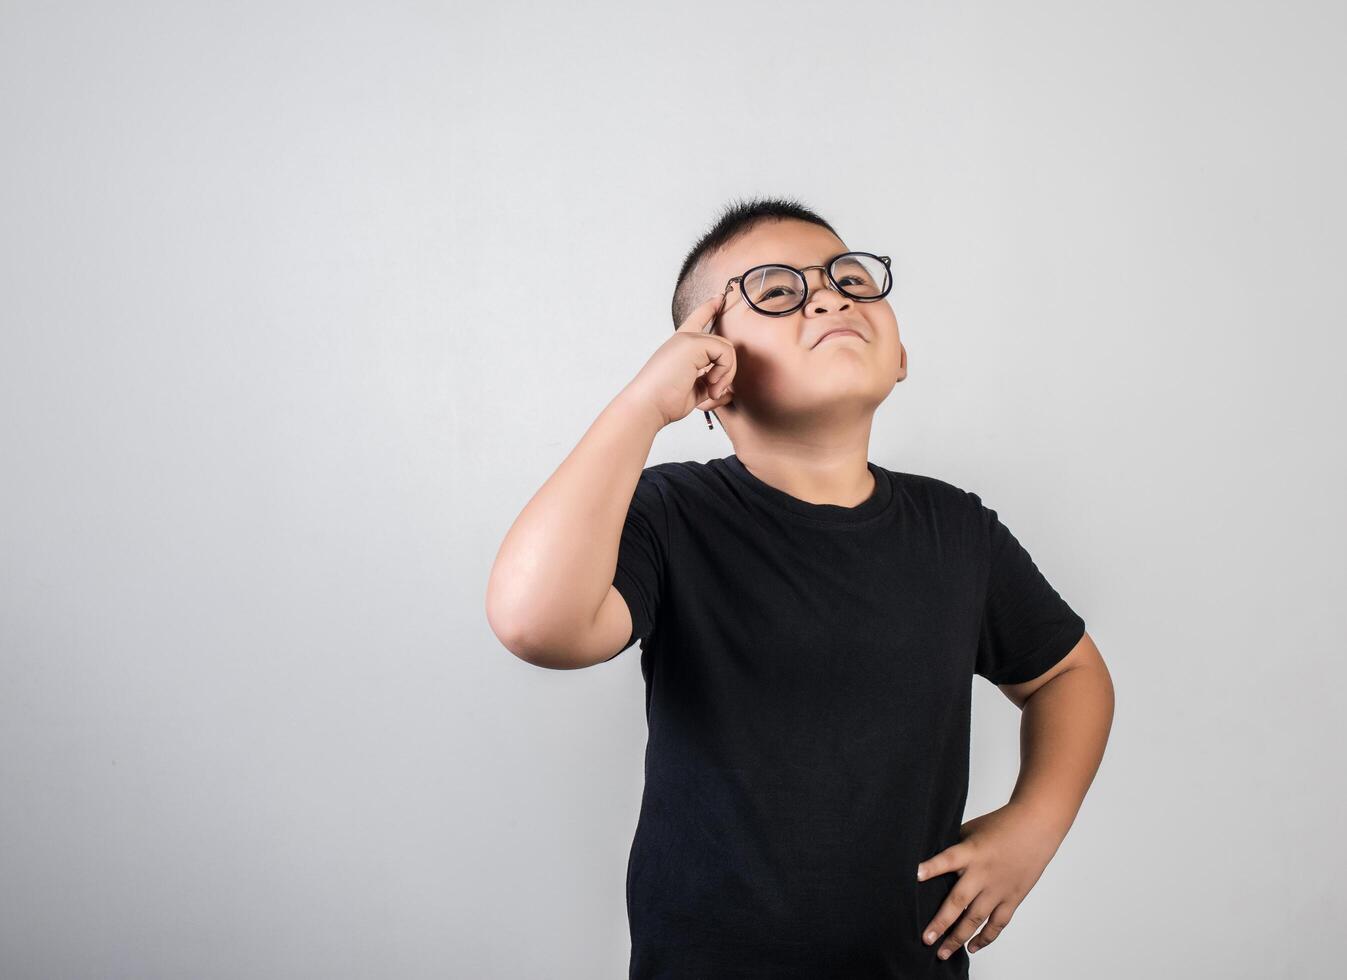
x=302, y=302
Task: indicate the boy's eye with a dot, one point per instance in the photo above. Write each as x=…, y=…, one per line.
x=784, y=291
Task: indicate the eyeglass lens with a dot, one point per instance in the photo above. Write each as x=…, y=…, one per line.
x=781, y=289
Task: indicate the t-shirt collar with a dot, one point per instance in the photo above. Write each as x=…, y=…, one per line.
x=832, y=514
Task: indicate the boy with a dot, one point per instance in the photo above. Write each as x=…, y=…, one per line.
x=810, y=625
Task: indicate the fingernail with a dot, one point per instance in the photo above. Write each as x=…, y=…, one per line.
x=921, y=873
x=930, y=938
x=944, y=954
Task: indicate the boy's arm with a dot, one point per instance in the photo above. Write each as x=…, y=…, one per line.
x=1067, y=713
x=550, y=595
x=1066, y=716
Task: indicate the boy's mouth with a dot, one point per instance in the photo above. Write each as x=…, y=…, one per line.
x=840, y=331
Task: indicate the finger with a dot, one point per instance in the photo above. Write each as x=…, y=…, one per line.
x=702, y=316
x=998, y=920
x=719, y=353
x=723, y=366
x=952, y=858
x=709, y=403
x=713, y=394
x=950, y=909
x=968, y=923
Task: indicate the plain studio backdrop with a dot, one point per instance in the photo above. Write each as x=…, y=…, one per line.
x=301, y=303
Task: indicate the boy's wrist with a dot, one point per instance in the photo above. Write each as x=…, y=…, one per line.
x=1053, y=816
x=631, y=406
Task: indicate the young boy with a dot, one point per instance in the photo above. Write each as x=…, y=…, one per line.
x=810, y=625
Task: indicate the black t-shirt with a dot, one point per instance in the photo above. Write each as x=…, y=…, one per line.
x=808, y=680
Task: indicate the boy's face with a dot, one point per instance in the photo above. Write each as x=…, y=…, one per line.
x=786, y=375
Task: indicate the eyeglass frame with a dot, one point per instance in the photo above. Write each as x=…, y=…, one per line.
x=827, y=272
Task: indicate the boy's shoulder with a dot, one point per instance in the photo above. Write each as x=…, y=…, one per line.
x=677, y=471
x=925, y=484
x=683, y=477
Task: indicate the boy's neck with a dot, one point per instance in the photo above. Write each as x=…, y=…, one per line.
x=818, y=474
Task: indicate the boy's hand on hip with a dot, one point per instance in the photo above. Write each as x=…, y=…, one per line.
x=1000, y=858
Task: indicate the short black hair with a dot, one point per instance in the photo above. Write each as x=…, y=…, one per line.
x=735, y=219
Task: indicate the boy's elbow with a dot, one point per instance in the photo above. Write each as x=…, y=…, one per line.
x=531, y=646
x=551, y=656
x=508, y=627
x=577, y=642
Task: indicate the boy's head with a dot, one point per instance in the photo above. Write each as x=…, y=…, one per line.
x=786, y=380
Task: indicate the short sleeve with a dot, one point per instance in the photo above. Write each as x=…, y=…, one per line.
x=639, y=577
x=1027, y=627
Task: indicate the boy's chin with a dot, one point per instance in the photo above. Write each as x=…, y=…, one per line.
x=858, y=395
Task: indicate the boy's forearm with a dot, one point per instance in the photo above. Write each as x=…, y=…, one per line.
x=557, y=561
x=1064, y=727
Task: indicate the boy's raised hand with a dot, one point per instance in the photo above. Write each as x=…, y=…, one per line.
x=1001, y=856
x=690, y=370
